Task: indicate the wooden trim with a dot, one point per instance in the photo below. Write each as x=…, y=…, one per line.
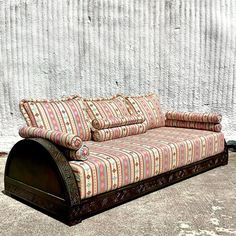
x=66, y=205
x=52, y=204
x=28, y=149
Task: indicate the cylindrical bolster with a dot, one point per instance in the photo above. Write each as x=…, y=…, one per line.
x=64, y=139
x=193, y=116
x=78, y=155
x=117, y=121
x=193, y=125
x=118, y=132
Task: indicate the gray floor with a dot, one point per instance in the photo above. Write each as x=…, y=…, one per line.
x=202, y=205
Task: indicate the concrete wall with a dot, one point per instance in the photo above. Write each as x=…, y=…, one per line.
x=182, y=49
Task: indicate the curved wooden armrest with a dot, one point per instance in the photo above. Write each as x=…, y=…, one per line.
x=38, y=173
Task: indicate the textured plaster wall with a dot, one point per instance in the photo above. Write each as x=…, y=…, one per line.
x=182, y=49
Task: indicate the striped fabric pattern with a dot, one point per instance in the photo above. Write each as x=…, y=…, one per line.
x=111, y=119
x=64, y=139
x=66, y=115
x=107, y=108
x=117, y=121
x=194, y=125
x=194, y=116
x=119, y=132
x=116, y=163
x=79, y=155
x=148, y=106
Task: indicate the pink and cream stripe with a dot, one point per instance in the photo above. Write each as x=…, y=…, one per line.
x=117, y=163
x=67, y=115
x=194, y=116
x=193, y=120
x=79, y=155
x=117, y=121
x=75, y=148
x=64, y=139
x=194, y=125
x=149, y=107
x=106, y=108
x=119, y=132
x=111, y=119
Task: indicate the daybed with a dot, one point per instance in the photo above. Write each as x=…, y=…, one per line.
x=83, y=156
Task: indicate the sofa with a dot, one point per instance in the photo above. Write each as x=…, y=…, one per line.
x=79, y=156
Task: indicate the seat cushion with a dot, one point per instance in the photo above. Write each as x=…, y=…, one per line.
x=149, y=107
x=66, y=115
x=116, y=163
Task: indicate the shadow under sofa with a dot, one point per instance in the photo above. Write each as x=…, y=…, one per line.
x=39, y=172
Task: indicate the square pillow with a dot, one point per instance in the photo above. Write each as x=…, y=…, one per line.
x=65, y=115
x=149, y=107
x=106, y=108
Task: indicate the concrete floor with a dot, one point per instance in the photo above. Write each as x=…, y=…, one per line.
x=202, y=205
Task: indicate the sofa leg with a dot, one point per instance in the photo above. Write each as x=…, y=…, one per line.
x=225, y=163
x=74, y=216
x=73, y=222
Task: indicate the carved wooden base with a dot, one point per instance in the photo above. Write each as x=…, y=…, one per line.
x=63, y=202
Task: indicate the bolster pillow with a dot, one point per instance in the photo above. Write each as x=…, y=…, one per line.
x=118, y=132
x=77, y=155
x=63, y=139
x=193, y=116
x=194, y=125
x=117, y=121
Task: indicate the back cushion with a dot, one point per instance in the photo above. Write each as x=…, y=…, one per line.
x=111, y=119
x=107, y=108
x=149, y=107
x=66, y=115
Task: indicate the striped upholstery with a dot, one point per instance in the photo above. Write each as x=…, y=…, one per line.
x=111, y=119
x=117, y=121
x=193, y=120
x=193, y=116
x=193, y=125
x=119, y=132
x=79, y=150
x=149, y=107
x=116, y=163
x=64, y=139
x=107, y=108
x=66, y=115
x=79, y=155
